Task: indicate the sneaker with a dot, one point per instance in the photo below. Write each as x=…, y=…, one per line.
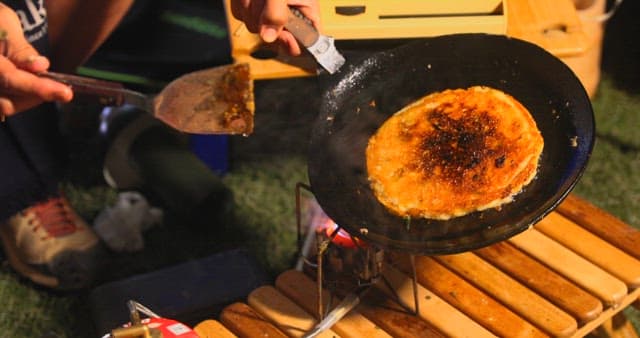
x=52, y=246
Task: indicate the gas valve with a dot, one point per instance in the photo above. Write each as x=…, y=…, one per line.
x=152, y=327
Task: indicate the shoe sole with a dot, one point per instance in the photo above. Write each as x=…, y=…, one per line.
x=77, y=269
x=20, y=266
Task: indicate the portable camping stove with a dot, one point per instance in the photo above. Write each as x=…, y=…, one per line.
x=346, y=265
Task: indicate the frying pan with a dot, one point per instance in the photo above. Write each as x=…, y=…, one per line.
x=367, y=92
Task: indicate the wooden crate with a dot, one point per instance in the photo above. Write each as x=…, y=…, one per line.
x=569, y=276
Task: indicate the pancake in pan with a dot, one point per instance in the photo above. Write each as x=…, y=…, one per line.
x=454, y=152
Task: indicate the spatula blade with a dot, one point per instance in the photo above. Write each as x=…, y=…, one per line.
x=217, y=100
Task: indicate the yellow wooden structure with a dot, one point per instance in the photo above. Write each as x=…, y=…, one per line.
x=565, y=28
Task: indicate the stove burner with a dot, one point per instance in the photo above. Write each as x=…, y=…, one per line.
x=345, y=264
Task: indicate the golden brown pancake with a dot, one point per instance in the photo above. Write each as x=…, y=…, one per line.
x=454, y=152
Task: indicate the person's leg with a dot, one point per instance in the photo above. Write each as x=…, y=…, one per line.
x=43, y=238
x=32, y=158
x=37, y=133
x=19, y=185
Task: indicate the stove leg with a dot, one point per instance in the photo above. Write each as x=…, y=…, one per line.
x=319, y=285
x=414, y=280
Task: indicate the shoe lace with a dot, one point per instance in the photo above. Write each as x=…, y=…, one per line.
x=54, y=216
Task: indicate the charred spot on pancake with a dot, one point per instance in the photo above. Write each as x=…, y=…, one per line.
x=456, y=147
x=499, y=161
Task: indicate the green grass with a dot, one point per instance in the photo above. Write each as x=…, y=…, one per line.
x=264, y=193
x=612, y=178
x=263, y=188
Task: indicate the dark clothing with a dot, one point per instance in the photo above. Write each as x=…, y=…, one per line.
x=31, y=146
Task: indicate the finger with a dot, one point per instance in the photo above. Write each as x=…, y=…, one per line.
x=238, y=8
x=290, y=42
x=273, y=18
x=244, y=11
x=6, y=107
x=33, y=63
x=253, y=14
x=12, y=105
x=274, y=13
x=19, y=82
x=310, y=9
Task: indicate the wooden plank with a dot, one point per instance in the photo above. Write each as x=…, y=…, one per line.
x=602, y=224
x=446, y=318
x=516, y=296
x=598, y=282
x=467, y=298
x=546, y=282
x=244, y=321
x=284, y=313
x=211, y=328
x=395, y=319
x=302, y=290
x=594, y=249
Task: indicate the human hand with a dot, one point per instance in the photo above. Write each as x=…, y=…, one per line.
x=268, y=17
x=20, y=87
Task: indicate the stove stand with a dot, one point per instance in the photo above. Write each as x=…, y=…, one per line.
x=346, y=265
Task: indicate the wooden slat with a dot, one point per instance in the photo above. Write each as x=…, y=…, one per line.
x=598, y=282
x=393, y=318
x=546, y=282
x=244, y=321
x=446, y=318
x=520, y=299
x=594, y=249
x=602, y=224
x=302, y=290
x=284, y=313
x=467, y=298
x=211, y=328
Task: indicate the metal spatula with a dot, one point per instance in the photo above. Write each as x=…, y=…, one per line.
x=217, y=100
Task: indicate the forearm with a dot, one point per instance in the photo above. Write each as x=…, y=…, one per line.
x=78, y=27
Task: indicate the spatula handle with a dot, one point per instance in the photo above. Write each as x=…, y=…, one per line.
x=301, y=28
x=322, y=47
x=104, y=92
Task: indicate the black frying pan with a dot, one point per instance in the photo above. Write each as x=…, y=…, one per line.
x=366, y=93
